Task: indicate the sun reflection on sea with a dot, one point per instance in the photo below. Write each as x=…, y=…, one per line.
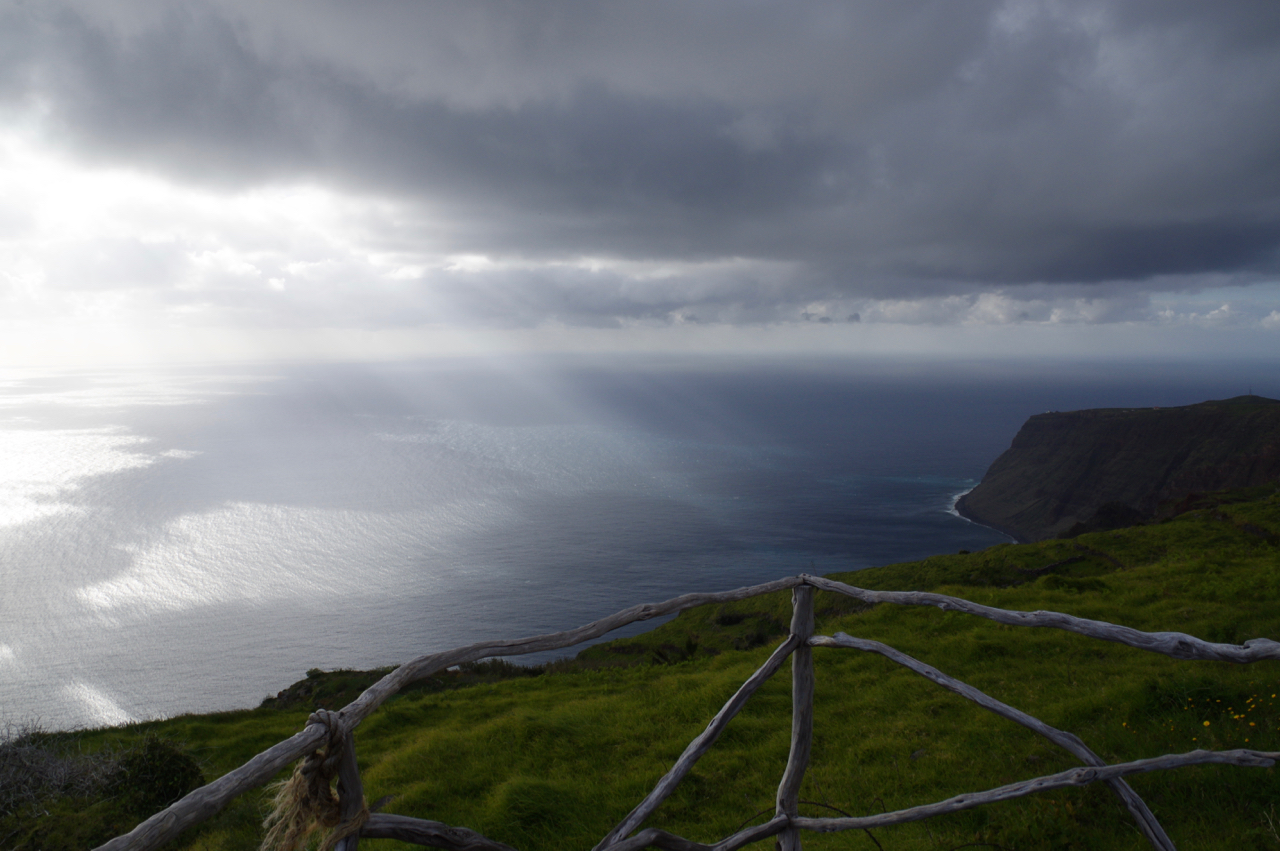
x=97, y=705
x=39, y=468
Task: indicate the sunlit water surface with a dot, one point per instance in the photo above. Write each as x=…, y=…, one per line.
x=194, y=541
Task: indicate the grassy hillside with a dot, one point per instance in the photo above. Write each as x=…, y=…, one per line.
x=554, y=760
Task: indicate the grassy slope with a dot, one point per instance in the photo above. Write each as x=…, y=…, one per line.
x=553, y=761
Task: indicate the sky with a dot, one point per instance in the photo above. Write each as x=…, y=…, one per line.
x=220, y=180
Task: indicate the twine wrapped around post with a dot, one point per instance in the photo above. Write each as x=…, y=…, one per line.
x=306, y=803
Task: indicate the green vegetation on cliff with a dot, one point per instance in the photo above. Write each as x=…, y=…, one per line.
x=1068, y=472
x=553, y=760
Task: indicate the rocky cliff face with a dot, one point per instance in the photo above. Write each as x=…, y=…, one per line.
x=1114, y=466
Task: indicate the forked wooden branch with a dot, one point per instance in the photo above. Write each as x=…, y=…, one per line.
x=1137, y=807
x=654, y=838
x=1062, y=780
x=433, y=834
x=1176, y=644
x=700, y=745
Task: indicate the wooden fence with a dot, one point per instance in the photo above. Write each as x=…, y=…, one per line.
x=326, y=746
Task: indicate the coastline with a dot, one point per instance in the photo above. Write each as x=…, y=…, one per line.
x=958, y=511
x=955, y=498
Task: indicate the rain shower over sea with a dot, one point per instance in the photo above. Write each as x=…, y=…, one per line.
x=194, y=540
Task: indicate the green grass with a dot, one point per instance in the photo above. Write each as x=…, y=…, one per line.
x=553, y=761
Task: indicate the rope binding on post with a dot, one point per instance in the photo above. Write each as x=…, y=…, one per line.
x=306, y=803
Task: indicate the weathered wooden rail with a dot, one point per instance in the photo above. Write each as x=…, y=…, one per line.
x=326, y=745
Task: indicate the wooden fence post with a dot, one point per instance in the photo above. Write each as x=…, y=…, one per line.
x=801, y=714
x=351, y=803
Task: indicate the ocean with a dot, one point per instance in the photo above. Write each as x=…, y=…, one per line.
x=188, y=540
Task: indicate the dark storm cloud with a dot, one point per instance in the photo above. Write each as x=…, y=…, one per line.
x=887, y=150
x=191, y=97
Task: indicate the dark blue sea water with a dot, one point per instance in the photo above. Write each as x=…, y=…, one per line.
x=190, y=540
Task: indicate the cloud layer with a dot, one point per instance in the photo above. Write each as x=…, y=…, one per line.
x=395, y=164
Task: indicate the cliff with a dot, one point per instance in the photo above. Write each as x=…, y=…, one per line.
x=1085, y=470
